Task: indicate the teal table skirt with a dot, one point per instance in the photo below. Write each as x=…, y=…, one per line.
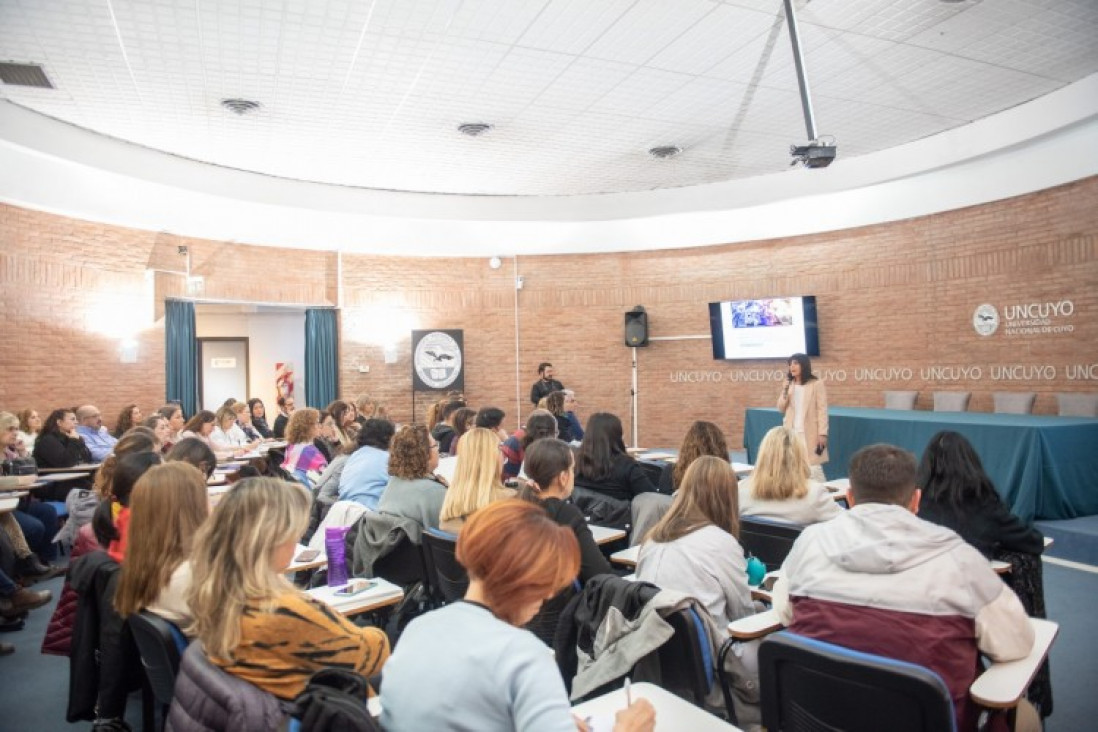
x=1044, y=467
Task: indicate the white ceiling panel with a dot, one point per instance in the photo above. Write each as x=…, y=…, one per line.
x=370, y=92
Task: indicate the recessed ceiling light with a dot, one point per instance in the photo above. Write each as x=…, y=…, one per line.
x=240, y=106
x=665, y=151
x=474, y=129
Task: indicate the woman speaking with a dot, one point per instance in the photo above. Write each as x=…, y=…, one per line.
x=803, y=402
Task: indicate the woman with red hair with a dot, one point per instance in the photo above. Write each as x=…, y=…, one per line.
x=483, y=668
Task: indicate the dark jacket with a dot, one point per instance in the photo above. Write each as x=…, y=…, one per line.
x=988, y=526
x=580, y=621
x=279, y=431
x=543, y=388
x=56, y=450
x=592, y=560
x=207, y=699
x=444, y=435
x=261, y=426
x=58, y=638
x=104, y=666
x=627, y=479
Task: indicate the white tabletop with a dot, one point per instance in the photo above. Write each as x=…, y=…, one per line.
x=627, y=557
x=672, y=712
x=1002, y=684
x=839, y=484
x=8, y=504
x=382, y=594
x=13, y=482
x=81, y=468
x=741, y=468
x=605, y=534
x=296, y=566
x=59, y=477
x=447, y=466
x=754, y=626
x=655, y=456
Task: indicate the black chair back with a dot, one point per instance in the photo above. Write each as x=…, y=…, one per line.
x=403, y=565
x=686, y=659
x=808, y=685
x=768, y=540
x=160, y=654
x=450, y=578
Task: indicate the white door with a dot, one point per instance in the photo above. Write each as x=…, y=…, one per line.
x=224, y=370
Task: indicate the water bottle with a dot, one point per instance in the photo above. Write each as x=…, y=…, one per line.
x=337, y=555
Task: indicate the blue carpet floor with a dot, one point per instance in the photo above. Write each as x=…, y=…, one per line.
x=1075, y=539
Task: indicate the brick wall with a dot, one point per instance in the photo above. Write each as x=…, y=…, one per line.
x=898, y=297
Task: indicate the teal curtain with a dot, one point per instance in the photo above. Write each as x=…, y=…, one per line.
x=321, y=357
x=181, y=354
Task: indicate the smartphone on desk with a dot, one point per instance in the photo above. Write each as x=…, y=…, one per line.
x=355, y=587
x=307, y=556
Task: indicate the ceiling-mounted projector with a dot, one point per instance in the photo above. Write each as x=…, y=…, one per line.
x=812, y=155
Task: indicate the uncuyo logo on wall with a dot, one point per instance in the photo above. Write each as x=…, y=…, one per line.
x=437, y=360
x=986, y=319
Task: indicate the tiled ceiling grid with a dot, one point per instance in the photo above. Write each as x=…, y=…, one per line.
x=370, y=92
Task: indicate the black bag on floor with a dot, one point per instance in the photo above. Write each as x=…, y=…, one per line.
x=334, y=701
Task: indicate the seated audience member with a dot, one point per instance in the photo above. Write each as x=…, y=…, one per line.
x=462, y=421
x=369, y=408
x=244, y=422
x=539, y=425
x=491, y=418
x=443, y=431
x=285, y=409
x=32, y=525
x=484, y=671
x=695, y=547
x=195, y=452
x=414, y=491
x=343, y=416
x=163, y=431
x=251, y=620
x=176, y=421
x=200, y=426
x=111, y=521
x=227, y=436
x=302, y=457
x=327, y=485
x=167, y=506
x=259, y=418
x=476, y=480
x=554, y=404
x=60, y=446
x=367, y=470
x=959, y=495
x=604, y=466
x=30, y=424
x=15, y=601
x=133, y=442
x=96, y=436
x=879, y=579
x=130, y=416
x=702, y=438
x=780, y=487
x=327, y=439
x=570, y=405
x=550, y=467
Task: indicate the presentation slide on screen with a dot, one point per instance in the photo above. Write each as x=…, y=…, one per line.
x=770, y=328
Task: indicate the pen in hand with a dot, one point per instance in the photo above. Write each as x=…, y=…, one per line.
x=628, y=693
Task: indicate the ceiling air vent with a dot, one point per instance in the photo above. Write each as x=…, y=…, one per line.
x=474, y=129
x=665, y=152
x=24, y=75
x=240, y=106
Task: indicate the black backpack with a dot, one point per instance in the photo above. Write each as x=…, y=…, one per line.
x=334, y=701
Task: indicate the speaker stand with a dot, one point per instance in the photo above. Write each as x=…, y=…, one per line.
x=633, y=399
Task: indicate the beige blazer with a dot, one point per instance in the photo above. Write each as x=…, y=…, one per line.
x=815, y=416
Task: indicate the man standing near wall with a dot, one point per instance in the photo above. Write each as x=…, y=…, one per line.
x=96, y=436
x=545, y=384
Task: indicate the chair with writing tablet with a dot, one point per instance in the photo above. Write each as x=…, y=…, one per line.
x=450, y=578
x=903, y=400
x=686, y=659
x=1014, y=402
x=951, y=401
x=767, y=539
x=160, y=645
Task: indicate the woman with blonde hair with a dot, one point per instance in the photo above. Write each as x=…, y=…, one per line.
x=252, y=621
x=167, y=506
x=780, y=486
x=476, y=480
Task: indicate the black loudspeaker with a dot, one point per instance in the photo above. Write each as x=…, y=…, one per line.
x=636, y=327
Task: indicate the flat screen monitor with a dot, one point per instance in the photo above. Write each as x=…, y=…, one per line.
x=769, y=327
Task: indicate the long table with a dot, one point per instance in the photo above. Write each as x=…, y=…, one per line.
x=1044, y=467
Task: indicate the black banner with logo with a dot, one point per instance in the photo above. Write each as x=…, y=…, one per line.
x=438, y=360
